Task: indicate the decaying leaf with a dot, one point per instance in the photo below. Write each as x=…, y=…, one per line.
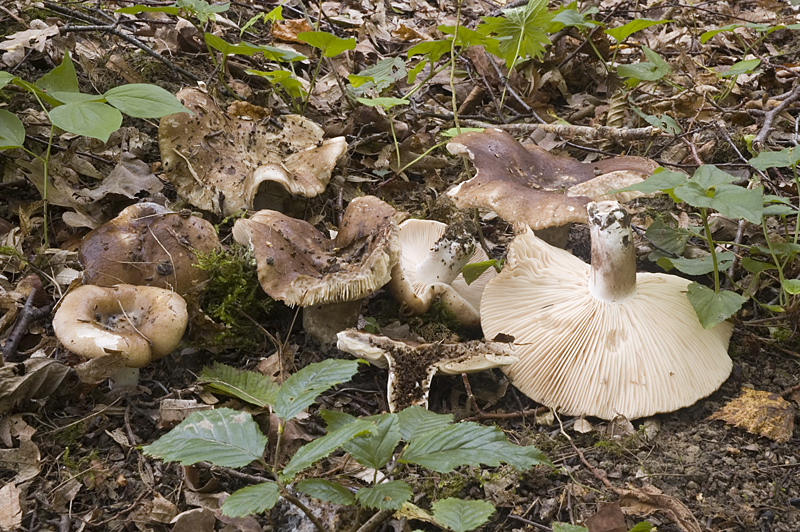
x=24, y=459
x=10, y=510
x=608, y=519
x=759, y=412
x=37, y=378
x=649, y=499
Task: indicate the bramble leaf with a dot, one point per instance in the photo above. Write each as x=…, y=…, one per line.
x=249, y=386
x=322, y=447
x=251, y=500
x=302, y=388
x=461, y=516
x=387, y=496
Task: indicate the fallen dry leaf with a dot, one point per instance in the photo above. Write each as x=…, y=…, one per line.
x=10, y=510
x=609, y=519
x=759, y=412
x=287, y=30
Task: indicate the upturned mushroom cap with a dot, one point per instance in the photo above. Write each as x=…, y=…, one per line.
x=587, y=343
x=217, y=161
x=147, y=244
x=533, y=186
x=413, y=365
x=299, y=266
x=143, y=323
x=408, y=285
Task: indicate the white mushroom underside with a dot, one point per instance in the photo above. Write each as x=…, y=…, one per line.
x=579, y=355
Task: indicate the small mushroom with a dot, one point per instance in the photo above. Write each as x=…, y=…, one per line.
x=147, y=244
x=143, y=323
x=602, y=340
x=432, y=256
x=412, y=365
x=300, y=266
x=218, y=161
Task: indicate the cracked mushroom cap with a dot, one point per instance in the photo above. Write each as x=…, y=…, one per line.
x=412, y=365
x=533, y=186
x=602, y=340
x=217, y=161
x=147, y=244
x=299, y=266
x=431, y=259
x=143, y=323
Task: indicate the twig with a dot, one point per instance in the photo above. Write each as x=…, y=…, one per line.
x=769, y=117
x=589, y=133
x=530, y=523
x=508, y=415
x=375, y=521
x=27, y=315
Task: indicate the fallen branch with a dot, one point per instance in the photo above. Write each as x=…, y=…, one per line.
x=27, y=315
x=587, y=132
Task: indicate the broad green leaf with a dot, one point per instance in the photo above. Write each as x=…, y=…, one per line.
x=90, y=119
x=325, y=490
x=249, y=386
x=461, y=516
x=5, y=78
x=473, y=270
x=465, y=37
x=623, y=32
x=521, y=31
x=434, y=49
x=202, y=9
x=709, y=34
x=757, y=266
x=330, y=44
x=571, y=17
x=301, y=389
x=282, y=78
x=386, y=102
x=251, y=500
x=416, y=420
x=135, y=10
x=567, y=527
x=777, y=206
x=670, y=241
x=709, y=176
x=662, y=181
x=226, y=48
x=780, y=248
x=224, y=437
x=454, y=132
x=697, y=266
x=387, y=496
x=322, y=447
x=142, y=100
x=273, y=53
x=693, y=194
x=791, y=286
x=469, y=444
x=75, y=97
x=642, y=526
x=652, y=70
x=61, y=78
x=274, y=15
x=414, y=72
x=12, y=132
x=377, y=448
x=747, y=66
x=713, y=307
x=663, y=122
x=382, y=75
x=737, y=202
x=336, y=419
x=787, y=157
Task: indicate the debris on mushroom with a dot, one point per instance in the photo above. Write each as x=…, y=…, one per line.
x=300, y=266
x=412, y=365
x=143, y=323
x=147, y=244
x=221, y=161
x=602, y=340
x=431, y=258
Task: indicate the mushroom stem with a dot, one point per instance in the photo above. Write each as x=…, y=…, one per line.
x=448, y=255
x=613, y=274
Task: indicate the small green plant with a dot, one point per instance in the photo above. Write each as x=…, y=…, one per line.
x=390, y=442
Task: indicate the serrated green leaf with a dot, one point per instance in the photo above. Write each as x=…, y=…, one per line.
x=251, y=500
x=699, y=265
x=12, y=131
x=567, y=527
x=571, y=17
x=747, y=66
x=336, y=419
x=301, y=389
x=521, y=31
x=325, y=490
x=461, y=516
x=416, y=420
x=652, y=70
x=90, y=119
x=322, y=447
x=329, y=44
x=386, y=103
x=784, y=158
x=387, y=496
x=61, y=78
x=791, y=286
x=623, y=32
x=142, y=100
x=739, y=202
x=713, y=307
x=202, y=9
x=469, y=444
x=135, y=10
x=223, y=437
x=376, y=448
x=473, y=270
x=248, y=386
x=663, y=181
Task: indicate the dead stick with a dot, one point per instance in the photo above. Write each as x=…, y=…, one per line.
x=27, y=315
x=598, y=132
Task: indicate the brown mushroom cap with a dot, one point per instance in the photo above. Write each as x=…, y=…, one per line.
x=533, y=186
x=217, y=161
x=299, y=266
x=147, y=244
x=143, y=323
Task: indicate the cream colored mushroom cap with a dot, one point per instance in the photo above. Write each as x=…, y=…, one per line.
x=581, y=356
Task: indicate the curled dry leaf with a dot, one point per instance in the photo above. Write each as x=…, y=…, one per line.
x=759, y=412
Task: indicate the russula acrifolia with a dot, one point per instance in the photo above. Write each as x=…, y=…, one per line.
x=221, y=161
x=600, y=339
x=431, y=258
x=412, y=365
x=143, y=323
x=327, y=277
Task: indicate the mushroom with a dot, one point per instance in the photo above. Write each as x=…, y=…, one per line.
x=218, y=161
x=534, y=187
x=412, y=365
x=299, y=266
x=143, y=323
x=602, y=340
x=431, y=258
x=147, y=244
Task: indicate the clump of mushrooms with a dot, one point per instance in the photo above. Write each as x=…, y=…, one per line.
x=602, y=340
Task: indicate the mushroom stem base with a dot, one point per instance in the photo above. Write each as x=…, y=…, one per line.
x=324, y=321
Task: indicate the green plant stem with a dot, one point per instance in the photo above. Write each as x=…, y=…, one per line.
x=303, y=508
x=426, y=152
x=453, y=68
x=797, y=218
x=281, y=424
x=394, y=138
x=711, y=247
x=782, y=297
x=311, y=86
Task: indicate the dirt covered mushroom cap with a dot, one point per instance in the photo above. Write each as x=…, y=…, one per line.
x=147, y=244
x=533, y=186
x=602, y=340
x=143, y=323
x=300, y=266
x=217, y=160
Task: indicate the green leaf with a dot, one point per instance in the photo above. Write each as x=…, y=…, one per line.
x=301, y=389
x=567, y=527
x=224, y=437
x=382, y=75
x=386, y=103
x=90, y=119
x=325, y=490
x=777, y=206
x=433, y=49
x=653, y=70
x=663, y=122
x=416, y=420
x=469, y=444
x=623, y=32
x=377, y=448
x=709, y=34
x=330, y=44
x=791, y=286
x=282, y=78
x=454, y=132
x=465, y=37
x=12, y=132
x=322, y=447
x=713, y=307
x=473, y=270
x=274, y=15
x=709, y=176
x=521, y=31
x=387, y=496
x=272, y=53
x=74, y=97
x=642, y=526
x=571, y=17
x=697, y=266
x=747, y=66
x=461, y=516
x=670, y=241
x=739, y=202
x=248, y=386
x=201, y=9
x=757, y=266
x=336, y=419
x=61, y=78
x=693, y=194
x=142, y=100
x=787, y=157
x=660, y=181
x=135, y=10
x=226, y=48
x=6, y=78
x=251, y=500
